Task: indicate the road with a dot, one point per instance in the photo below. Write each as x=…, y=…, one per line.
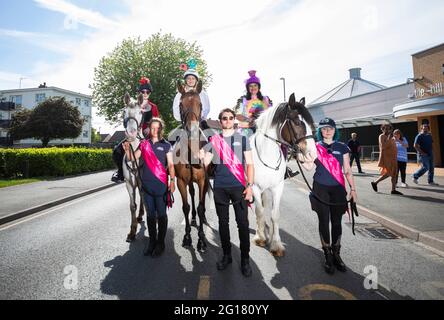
x=78, y=251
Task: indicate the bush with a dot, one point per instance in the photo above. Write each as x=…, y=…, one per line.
x=16, y=163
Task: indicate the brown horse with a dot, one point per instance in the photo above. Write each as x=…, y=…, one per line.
x=187, y=165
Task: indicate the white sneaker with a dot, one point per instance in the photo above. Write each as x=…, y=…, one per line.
x=415, y=181
x=404, y=185
x=433, y=184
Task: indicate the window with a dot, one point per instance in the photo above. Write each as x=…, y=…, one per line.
x=85, y=119
x=85, y=134
x=86, y=103
x=17, y=100
x=78, y=101
x=40, y=97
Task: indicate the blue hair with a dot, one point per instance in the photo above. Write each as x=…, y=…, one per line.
x=319, y=135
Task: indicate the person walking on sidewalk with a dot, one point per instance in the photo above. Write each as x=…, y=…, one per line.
x=332, y=163
x=231, y=152
x=156, y=157
x=424, y=145
x=388, y=155
x=355, y=148
x=402, y=145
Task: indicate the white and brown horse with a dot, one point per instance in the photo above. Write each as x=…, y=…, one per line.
x=288, y=124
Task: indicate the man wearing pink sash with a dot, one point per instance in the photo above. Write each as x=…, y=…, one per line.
x=231, y=154
x=156, y=156
x=329, y=188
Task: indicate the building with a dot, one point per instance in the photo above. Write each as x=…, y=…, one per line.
x=361, y=106
x=31, y=97
x=6, y=110
x=427, y=103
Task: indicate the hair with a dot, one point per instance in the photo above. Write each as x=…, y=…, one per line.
x=226, y=110
x=319, y=136
x=354, y=134
x=386, y=125
x=161, y=124
x=401, y=136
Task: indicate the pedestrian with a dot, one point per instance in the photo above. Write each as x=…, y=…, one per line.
x=149, y=110
x=402, y=145
x=355, y=148
x=329, y=196
x=388, y=155
x=231, y=154
x=424, y=146
x=191, y=77
x=157, y=157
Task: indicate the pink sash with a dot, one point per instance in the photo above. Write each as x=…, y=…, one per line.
x=330, y=163
x=152, y=162
x=229, y=158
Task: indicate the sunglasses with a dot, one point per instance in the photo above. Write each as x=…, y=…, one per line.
x=145, y=91
x=227, y=118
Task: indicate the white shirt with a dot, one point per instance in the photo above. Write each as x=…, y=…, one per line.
x=203, y=99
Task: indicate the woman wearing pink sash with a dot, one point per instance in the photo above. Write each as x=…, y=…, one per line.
x=156, y=156
x=332, y=164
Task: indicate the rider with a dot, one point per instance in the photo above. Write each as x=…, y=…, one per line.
x=156, y=159
x=191, y=78
x=251, y=106
x=231, y=152
x=150, y=110
x=329, y=186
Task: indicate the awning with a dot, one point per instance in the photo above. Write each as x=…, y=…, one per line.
x=419, y=108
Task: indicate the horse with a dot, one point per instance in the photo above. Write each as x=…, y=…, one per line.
x=133, y=132
x=289, y=124
x=187, y=164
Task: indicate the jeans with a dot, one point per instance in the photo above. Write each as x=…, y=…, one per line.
x=402, y=166
x=426, y=165
x=354, y=156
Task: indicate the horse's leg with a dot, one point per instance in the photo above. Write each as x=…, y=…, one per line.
x=141, y=206
x=132, y=235
x=182, y=186
x=193, y=204
x=276, y=246
x=201, y=244
x=259, y=237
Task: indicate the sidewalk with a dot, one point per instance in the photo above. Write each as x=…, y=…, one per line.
x=22, y=200
x=418, y=214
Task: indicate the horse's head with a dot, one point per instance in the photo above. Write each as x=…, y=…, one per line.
x=296, y=126
x=190, y=105
x=133, y=116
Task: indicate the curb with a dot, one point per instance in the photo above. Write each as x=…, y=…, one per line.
x=426, y=238
x=30, y=211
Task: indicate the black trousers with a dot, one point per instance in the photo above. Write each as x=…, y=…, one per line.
x=222, y=198
x=118, y=154
x=402, y=166
x=326, y=213
x=355, y=156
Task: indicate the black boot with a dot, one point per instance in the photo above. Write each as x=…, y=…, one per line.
x=328, y=266
x=118, y=154
x=245, y=267
x=160, y=244
x=152, y=231
x=340, y=265
x=290, y=173
x=224, y=262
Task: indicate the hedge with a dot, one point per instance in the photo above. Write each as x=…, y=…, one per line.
x=15, y=163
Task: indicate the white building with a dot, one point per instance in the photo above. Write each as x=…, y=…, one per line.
x=31, y=97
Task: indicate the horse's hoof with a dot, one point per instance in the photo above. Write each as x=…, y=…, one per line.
x=260, y=243
x=201, y=246
x=140, y=220
x=186, y=243
x=193, y=222
x=130, y=238
x=278, y=253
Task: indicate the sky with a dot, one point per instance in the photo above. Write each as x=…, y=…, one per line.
x=310, y=43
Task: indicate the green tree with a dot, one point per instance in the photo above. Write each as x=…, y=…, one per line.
x=54, y=118
x=158, y=58
x=95, y=136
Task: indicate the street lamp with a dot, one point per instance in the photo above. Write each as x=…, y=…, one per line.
x=283, y=79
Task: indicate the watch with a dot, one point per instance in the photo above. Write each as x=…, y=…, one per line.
x=250, y=184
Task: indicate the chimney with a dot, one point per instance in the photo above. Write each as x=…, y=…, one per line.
x=355, y=73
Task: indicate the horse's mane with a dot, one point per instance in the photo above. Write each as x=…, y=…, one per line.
x=266, y=118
